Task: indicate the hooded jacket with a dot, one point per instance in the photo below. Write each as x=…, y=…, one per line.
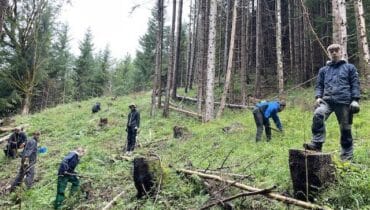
x=338, y=82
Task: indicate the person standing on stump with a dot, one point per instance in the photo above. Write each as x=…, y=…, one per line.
x=133, y=126
x=337, y=90
x=262, y=113
x=66, y=173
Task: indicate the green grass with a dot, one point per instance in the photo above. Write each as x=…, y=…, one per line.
x=68, y=126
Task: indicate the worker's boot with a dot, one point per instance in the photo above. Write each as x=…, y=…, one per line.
x=314, y=146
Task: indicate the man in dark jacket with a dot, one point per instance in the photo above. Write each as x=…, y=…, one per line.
x=133, y=125
x=28, y=163
x=16, y=141
x=338, y=91
x=262, y=113
x=66, y=173
x=95, y=108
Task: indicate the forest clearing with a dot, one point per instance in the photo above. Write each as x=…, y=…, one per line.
x=220, y=104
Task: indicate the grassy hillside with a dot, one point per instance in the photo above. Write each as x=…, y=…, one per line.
x=68, y=126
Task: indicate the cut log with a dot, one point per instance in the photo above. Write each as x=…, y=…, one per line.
x=148, y=174
x=270, y=195
x=316, y=166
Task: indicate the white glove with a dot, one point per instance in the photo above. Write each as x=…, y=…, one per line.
x=319, y=101
x=354, y=107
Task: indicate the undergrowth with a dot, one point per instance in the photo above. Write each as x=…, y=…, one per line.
x=208, y=147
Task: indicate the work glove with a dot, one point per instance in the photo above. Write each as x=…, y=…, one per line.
x=318, y=102
x=354, y=107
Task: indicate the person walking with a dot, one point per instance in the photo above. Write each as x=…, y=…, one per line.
x=262, y=113
x=28, y=163
x=133, y=126
x=66, y=173
x=337, y=90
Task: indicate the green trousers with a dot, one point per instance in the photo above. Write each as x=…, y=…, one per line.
x=61, y=187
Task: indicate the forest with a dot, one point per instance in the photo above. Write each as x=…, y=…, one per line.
x=204, y=72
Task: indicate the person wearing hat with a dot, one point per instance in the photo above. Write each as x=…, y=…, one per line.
x=133, y=125
x=28, y=162
x=66, y=173
x=262, y=113
x=16, y=141
x=337, y=90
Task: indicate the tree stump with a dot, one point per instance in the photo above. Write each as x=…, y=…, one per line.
x=148, y=173
x=180, y=132
x=103, y=121
x=317, y=166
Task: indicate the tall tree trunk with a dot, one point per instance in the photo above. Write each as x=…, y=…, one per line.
x=230, y=62
x=194, y=39
x=26, y=104
x=362, y=39
x=279, y=48
x=244, y=56
x=158, y=60
x=226, y=39
x=340, y=25
x=257, y=85
x=189, y=47
x=177, y=51
x=201, y=48
x=3, y=7
x=291, y=40
x=211, y=62
x=170, y=68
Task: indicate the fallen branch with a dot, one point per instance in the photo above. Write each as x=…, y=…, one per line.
x=7, y=129
x=220, y=173
x=237, y=106
x=264, y=191
x=3, y=139
x=274, y=196
x=193, y=114
x=113, y=202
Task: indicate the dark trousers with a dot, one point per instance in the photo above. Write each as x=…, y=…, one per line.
x=61, y=187
x=261, y=122
x=344, y=118
x=11, y=150
x=26, y=173
x=131, y=138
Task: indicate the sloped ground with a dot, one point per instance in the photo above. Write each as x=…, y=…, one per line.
x=208, y=147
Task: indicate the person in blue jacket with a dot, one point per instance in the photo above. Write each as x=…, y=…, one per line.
x=337, y=90
x=263, y=112
x=66, y=173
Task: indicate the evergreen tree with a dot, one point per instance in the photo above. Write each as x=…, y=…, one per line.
x=101, y=75
x=122, y=81
x=84, y=69
x=25, y=47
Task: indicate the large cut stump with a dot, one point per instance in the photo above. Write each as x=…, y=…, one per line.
x=317, y=166
x=148, y=175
